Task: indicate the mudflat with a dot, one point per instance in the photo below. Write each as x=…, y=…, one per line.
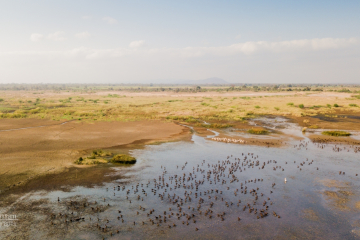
x=47, y=146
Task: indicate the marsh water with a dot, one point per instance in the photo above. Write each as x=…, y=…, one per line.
x=207, y=190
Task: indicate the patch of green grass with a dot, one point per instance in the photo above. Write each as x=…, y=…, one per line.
x=276, y=108
x=353, y=105
x=336, y=133
x=258, y=131
x=257, y=106
x=113, y=95
x=290, y=104
x=123, y=158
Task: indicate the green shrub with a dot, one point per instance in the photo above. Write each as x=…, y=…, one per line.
x=336, y=133
x=79, y=161
x=290, y=104
x=277, y=109
x=257, y=106
x=336, y=105
x=1, y=99
x=353, y=105
x=328, y=105
x=301, y=106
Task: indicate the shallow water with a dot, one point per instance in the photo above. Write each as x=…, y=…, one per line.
x=305, y=211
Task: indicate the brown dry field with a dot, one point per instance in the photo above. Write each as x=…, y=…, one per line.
x=28, y=153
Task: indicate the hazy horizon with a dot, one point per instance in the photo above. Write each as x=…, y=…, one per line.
x=138, y=42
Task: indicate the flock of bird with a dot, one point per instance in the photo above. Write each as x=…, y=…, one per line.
x=187, y=196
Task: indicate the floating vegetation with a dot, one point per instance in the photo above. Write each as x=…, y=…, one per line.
x=258, y=131
x=123, y=158
x=336, y=133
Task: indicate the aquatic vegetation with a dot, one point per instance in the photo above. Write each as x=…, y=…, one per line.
x=96, y=157
x=336, y=133
x=123, y=158
x=258, y=131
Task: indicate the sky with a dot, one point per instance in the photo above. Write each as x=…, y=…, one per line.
x=86, y=41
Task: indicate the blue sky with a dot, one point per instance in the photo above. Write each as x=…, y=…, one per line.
x=141, y=41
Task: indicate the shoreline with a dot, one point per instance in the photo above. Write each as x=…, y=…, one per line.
x=34, y=152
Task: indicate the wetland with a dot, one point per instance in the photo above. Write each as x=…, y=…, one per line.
x=197, y=172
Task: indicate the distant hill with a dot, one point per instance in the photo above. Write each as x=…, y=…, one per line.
x=213, y=80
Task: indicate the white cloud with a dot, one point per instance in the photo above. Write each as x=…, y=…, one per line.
x=137, y=44
x=327, y=60
x=245, y=49
x=110, y=20
x=82, y=35
x=57, y=36
x=86, y=17
x=36, y=37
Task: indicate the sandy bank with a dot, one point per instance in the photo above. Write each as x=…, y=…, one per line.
x=35, y=151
